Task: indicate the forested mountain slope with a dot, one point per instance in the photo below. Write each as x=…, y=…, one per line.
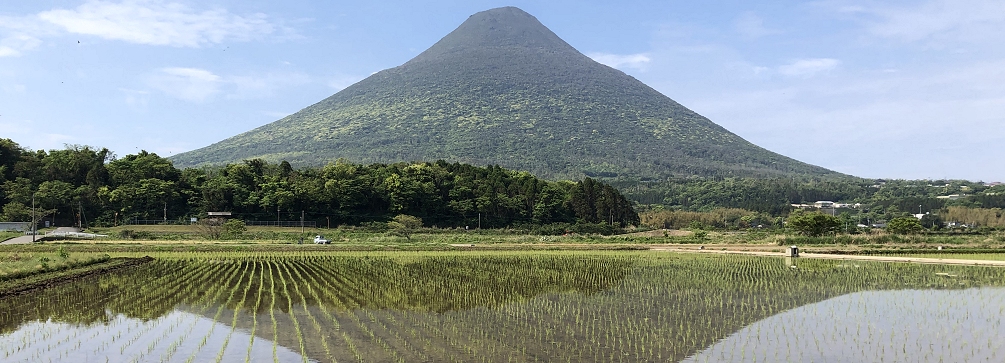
x=503, y=89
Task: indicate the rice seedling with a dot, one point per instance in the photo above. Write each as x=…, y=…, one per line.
x=506, y=306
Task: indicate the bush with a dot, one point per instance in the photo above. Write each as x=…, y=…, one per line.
x=233, y=228
x=404, y=225
x=812, y=224
x=904, y=225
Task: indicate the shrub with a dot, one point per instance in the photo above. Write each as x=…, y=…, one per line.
x=404, y=225
x=233, y=228
x=813, y=224
x=904, y=225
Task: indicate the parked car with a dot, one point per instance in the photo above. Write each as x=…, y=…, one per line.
x=321, y=240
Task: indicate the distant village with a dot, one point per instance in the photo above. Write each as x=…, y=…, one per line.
x=831, y=208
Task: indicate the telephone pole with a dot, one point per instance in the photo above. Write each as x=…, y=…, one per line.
x=34, y=224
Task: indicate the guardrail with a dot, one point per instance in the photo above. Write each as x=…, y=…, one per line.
x=74, y=235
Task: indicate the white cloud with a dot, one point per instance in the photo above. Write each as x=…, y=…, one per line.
x=635, y=61
x=809, y=67
x=749, y=25
x=200, y=85
x=158, y=23
x=941, y=21
x=189, y=84
x=258, y=86
x=14, y=45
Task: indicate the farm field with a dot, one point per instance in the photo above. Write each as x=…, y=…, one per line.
x=509, y=306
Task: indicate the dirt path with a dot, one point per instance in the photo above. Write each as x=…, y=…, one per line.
x=936, y=261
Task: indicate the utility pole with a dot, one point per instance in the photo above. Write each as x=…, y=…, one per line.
x=302, y=231
x=165, y=212
x=34, y=224
x=479, y=220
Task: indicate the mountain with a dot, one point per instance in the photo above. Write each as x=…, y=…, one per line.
x=504, y=89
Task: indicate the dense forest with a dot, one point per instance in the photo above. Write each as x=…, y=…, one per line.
x=87, y=186
x=92, y=187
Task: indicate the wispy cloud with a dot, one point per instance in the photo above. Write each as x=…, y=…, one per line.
x=635, y=61
x=200, y=85
x=750, y=25
x=14, y=45
x=189, y=84
x=809, y=67
x=950, y=20
x=158, y=23
x=258, y=86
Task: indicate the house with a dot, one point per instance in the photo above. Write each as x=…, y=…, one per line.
x=824, y=204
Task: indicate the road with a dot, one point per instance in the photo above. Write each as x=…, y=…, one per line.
x=23, y=240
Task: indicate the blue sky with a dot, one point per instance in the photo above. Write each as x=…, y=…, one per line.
x=893, y=89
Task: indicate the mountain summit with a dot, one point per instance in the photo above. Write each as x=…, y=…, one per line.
x=504, y=89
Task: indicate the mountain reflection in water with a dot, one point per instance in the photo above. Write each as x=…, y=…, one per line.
x=876, y=326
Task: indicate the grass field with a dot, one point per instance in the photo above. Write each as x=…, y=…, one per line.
x=8, y=235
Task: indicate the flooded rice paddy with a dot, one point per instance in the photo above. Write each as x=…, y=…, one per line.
x=512, y=307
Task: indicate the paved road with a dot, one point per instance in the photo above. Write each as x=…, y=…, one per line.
x=23, y=240
x=937, y=261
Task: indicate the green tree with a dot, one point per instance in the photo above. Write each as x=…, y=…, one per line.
x=233, y=228
x=404, y=225
x=813, y=224
x=904, y=225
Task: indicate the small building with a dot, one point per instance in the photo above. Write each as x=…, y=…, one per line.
x=824, y=204
x=15, y=226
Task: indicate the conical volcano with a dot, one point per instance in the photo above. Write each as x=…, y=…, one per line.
x=504, y=89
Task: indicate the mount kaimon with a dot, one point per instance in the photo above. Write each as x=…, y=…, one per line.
x=503, y=89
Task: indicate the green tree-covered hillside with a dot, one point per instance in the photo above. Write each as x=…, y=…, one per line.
x=503, y=89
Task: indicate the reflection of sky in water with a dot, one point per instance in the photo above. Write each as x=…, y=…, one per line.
x=876, y=326
x=175, y=337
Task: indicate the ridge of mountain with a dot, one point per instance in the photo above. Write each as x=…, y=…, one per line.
x=504, y=89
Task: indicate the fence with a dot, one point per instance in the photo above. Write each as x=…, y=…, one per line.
x=140, y=222
x=308, y=224
x=143, y=222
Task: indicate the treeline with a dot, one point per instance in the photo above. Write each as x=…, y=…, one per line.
x=981, y=217
x=722, y=218
x=90, y=186
x=776, y=196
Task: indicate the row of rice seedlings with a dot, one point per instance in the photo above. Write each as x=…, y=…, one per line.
x=272, y=314
x=335, y=293
x=306, y=279
x=291, y=311
x=216, y=317
x=237, y=311
x=65, y=304
x=160, y=298
x=214, y=291
x=259, y=266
